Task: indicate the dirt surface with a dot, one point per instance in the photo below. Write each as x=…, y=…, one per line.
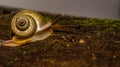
x=89, y=42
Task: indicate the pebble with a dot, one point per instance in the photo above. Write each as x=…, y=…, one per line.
x=81, y=41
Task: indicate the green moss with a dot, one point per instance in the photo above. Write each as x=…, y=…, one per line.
x=84, y=21
x=96, y=21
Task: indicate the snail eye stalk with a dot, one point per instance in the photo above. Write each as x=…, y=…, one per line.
x=54, y=19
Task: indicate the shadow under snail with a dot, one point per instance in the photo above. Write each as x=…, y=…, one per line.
x=29, y=26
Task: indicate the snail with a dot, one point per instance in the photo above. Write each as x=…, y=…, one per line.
x=28, y=26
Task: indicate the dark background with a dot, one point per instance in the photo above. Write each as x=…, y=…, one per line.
x=89, y=8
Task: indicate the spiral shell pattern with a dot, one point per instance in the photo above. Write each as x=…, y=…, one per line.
x=25, y=23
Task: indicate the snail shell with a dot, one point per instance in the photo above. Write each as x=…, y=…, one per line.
x=27, y=22
x=28, y=26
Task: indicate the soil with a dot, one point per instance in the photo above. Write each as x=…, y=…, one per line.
x=89, y=42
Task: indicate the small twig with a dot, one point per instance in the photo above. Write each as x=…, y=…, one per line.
x=65, y=26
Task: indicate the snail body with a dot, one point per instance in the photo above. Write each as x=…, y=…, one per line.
x=28, y=26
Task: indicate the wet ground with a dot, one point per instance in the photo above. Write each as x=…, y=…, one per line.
x=89, y=42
